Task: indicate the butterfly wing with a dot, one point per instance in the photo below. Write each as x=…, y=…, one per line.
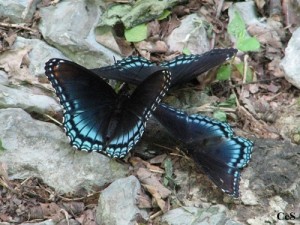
x=189, y=128
x=210, y=144
x=131, y=70
x=92, y=112
x=87, y=101
x=138, y=108
x=187, y=67
x=222, y=159
x=183, y=68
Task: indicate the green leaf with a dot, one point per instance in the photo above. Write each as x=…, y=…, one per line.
x=248, y=44
x=164, y=15
x=186, y=51
x=224, y=72
x=237, y=26
x=1, y=146
x=137, y=33
x=220, y=115
x=249, y=74
x=230, y=102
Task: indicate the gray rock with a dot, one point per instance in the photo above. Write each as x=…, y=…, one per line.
x=39, y=54
x=118, y=203
x=40, y=149
x=249, y=198
x=275, y=172
x=190, y=34
x=75, y=35
x=26, y=99
x=18, y=10
x=192, y=215
x=291, y=62
x=135, y=13
x=247, y=11
x=3, y=78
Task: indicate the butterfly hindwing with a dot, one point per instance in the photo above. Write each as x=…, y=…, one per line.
x=222, y=159
x=187, y=128
x=94, y=118
x=210, y=144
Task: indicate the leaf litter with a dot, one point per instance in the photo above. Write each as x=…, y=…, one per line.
x=259, y=102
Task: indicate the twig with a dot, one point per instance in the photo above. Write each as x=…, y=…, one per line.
x=162, y=146
x=66, y=214
x=156, y=214
x=78, y=199
x=219, y=9
x=212, y=109
x=54, y=120
x=18, y=26
x=24, y=181
x=255, y=82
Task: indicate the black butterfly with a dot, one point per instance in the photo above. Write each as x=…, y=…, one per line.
x=211, y=144
x=183, y=68
x=95, y=117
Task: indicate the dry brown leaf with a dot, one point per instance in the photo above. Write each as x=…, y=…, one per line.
x=45, y=211
x=253, y=88
x=157, y=196
x=291, y=13
x=144, y=201
x=148, y=178
x=11, y=39
x=89, y=217
x=158, y=159
x=146, y=47
x=168, y=26
x=138, y=162
x=153, y=28
x=273, y=88
x=74, y=208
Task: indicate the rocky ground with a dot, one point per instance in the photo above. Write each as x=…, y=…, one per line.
x=43, y=180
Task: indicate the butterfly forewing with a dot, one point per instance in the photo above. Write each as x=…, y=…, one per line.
x=183, y=68
x=131, y=70
x=153, y=88
x=86, y=100
x=186, y=67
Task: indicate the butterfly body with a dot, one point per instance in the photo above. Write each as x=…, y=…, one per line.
x=96, y=118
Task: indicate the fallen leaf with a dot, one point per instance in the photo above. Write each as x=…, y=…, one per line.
x=148, y=178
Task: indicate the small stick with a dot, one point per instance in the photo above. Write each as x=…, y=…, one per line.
x=18, y=26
